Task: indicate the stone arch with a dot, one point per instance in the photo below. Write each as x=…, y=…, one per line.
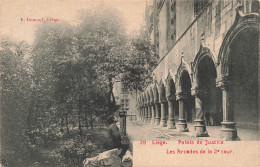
x=186, y=101
x=204, y=52
x=147, y=96
x=170, y=86
x=184, y=81
x=148, y=105
x=164, y=104
x=239, y=77
x=141, y=100
x=155, y=93
x=162, y=92
x=241, y=23
x=151, y=94
x=156, y=103
x=173, y=107
x=183, y=68
x=205, y=74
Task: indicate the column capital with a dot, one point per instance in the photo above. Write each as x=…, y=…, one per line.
x=182, y=95
x=171, y=97
x=163, y=100
x=198, y=92
x=223, y=82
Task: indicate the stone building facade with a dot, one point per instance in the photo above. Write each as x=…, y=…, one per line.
x=126, y=100
x=208, y=70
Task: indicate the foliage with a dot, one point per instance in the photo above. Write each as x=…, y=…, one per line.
x=73, y=151
x=64, y=82
x=102, y=41
x=140, y=63
x=15, y=99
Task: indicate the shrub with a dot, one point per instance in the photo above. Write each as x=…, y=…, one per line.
x=73, y=151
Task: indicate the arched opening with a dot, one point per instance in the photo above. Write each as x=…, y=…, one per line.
x=212, y=100
x=157, y=105
x=185, y=84
x=149, y=107
x=171, y=97
x=243, y=73
x=164, y=105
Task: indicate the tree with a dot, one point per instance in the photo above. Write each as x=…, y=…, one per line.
x=15, y=82
x=102, y=40
x=140, y=63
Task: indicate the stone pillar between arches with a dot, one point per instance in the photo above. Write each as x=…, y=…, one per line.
x=149, y=113
x=182, y=121
x=228, y=130
x=163, y=114
x=146, y=113
x=142, y=114
x=171, y=120
x=153, y=113
x=200, y=127
x=157, y=113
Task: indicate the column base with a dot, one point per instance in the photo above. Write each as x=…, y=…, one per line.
x=152, y=120
x=228, y=132
x=157, y=121
x=182, y=125
x=171, y=123
x=145, y=119
x=149, y=120
x=200, y=128
x=163, y=122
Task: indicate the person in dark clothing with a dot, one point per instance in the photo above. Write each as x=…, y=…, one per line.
x=207, y=116
x=115, y=137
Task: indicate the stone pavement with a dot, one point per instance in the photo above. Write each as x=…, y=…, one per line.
x=138, y=130
x=143, y=131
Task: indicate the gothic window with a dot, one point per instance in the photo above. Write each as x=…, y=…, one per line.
x=218, y=19
x=172, y=26
x=199, y=5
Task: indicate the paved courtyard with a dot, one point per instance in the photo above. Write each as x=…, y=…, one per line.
x=143, y=131
x=138, y=130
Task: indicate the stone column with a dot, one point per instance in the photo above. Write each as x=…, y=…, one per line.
x=146, y=113
x=141, y=113
x=228, y=131
x=171, y=120
x=163, y=114
x=122, y=115
x=182, y=121
x=138, y=113
x=153, y=113
x=149, y=113
x=157, y=115
x=200, y=127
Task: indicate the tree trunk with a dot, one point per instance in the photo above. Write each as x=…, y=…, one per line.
x=111, y=97
x=91, y=120
x=79, y=113
x=67, y=123
x=86, y=119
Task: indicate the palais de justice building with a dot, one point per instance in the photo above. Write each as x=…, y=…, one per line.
x=208, y=69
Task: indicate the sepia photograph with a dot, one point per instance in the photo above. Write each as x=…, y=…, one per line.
x=122, y=83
